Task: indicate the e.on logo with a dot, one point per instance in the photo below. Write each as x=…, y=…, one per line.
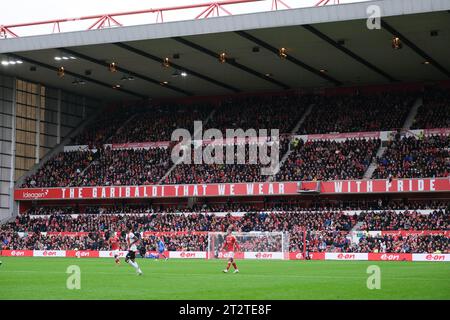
x=346, y=256
x=261, y=255
x=81, y=254
x=17, y=253
x=187, y=254
x=299, y=256
x=390, y=257
x=435, y=257
x=49, y=253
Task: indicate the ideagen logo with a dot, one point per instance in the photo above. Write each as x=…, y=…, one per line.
x=35, y=194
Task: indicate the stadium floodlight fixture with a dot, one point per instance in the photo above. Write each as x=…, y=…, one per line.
x=5, y=63
x=396, y=43
x=282, y=53
x=184, y=74
x=223, y=57
x=166, y=62
x=61, y=72
x=112, y=67
x=78, y=81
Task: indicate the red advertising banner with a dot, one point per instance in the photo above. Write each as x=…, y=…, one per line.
x=382, y=185
x=16, y=253
x=82, y=254
x=235, y=189
x=343, y=136
x=159, y=191
x=390, y=256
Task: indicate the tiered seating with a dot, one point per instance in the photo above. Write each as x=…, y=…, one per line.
x=435, y=111
x=357, y=113
x=328, y=160
x=410, y=157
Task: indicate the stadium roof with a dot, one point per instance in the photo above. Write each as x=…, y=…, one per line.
x=326, y=46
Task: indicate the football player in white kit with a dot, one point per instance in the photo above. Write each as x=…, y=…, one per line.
x=130, y=258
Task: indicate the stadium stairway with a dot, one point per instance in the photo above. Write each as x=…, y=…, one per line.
x=121, y=127
x=371, y=169
x=406, y=126
x=293, y=132
x=412, y=114
x=175, y=164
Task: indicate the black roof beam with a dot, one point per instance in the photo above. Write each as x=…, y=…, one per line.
x=124, y=70
x=348, y=52
x=415, y=48
x=177, y=66
x=231, y=62
x=76, y=75
x=290, y=58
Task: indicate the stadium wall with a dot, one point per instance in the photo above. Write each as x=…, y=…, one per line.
x=34, y=119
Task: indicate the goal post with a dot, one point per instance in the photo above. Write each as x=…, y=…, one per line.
x=253, y=245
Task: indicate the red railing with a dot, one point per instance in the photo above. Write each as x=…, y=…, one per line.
x=100, y=21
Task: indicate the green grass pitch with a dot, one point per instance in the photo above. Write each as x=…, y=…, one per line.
x=45, y=278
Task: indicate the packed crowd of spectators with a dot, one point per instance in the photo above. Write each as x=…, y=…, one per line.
x=126, y=167
x=408, y=220
x=280, y=112
x=156, y=123
x=245, y=169
x=435, y=110
x=61, y=170
x=328, y=160
x=403, y=244
x=327, y=230
x=104, y=127
x=335, y=241
x=410, y=157
x=358, y=113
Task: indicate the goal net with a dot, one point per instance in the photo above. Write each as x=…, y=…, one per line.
x=253, y=245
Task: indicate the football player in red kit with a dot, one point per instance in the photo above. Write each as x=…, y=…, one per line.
x=229, y=245
x=115, y=246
